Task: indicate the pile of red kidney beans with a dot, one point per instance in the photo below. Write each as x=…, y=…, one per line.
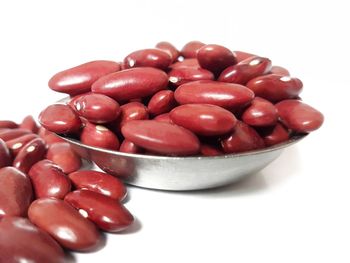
x=204, y=100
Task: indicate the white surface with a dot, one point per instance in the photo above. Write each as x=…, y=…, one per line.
x=296, y=210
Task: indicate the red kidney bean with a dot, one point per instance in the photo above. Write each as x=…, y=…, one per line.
x=275, y=87
x=65, y=224
x=226, y=95
x=132, y=111
x=204, y=119
x=21, y=241
x=132, y=83
x=279, y=70
x=99, y=136
x=246, y=70
x=49, y=180
x=5, y=155
x=161, y=102
x=15, y=193
x=191, y=48
x=179, y=76
x=274, y=135
x=186, y=63
x=260, y=113
x=161, y=137
x=215, y=58
x=210, y=150
x=49, y=137
x=244, y=138
x=170, y=49
x=108, y=214
x=299, y=116
x=79, y=79
x=60, y=118
x=62, y=154
x=8, y=124
x=31, y=153
x=10, y=134
x=30, y=124
x=97, y=108
x=15, y=145
x=240, y=55
x=130, y=147
x=165, y=117
x=99, y=182
x=152, y=57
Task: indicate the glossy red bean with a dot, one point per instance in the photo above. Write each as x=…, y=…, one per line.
x=49, y=137
x=240, y=55
x=132, y=83
x=179, y=76
x=5, y=155
x=152, y=57
x=99, y=136
x=204, y=119
x=97, y=108
x=226, y=95
x=130, y=147
x=79, y=79
x=15, y=145
x=243, y=138
x=186, y=63
x=49, y=180
x=161, y=137
x=275, y=87
x=169, y=48
x=299, y=116
x=191, y=48
x=260, y=113
x=62, y=154
x=21, y=241
x=215, y=58
x=8, y=124
x=161, y=102
x=15, y=192
x=165, y=117
x=99, y=182
x=132, y=111
x=65, y=224
x=107, y=213
x=246, y=70
x=31, y=153
x=279, y=70
x=10, y=134
x=60, y=118
x=274, y=135
x=30, y=124
x=210, y=150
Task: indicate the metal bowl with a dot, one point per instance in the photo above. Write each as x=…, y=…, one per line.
x=180, y=173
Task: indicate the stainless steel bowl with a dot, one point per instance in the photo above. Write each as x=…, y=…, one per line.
x=180, y=173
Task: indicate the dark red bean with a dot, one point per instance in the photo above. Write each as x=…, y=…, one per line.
x=31, y=153
x=49, y=137
x=204, y=119
x=243, y=138
x=8, y=124
x=132, y=111
x=275, y=87
x=210, y=150
x=99, y=136
x=5, y=155
x=152, y=57
x=130, y=147
x=15, y=145
x=49, y=180
x=21, y=241
x=132, y=83
x=99, y=182
x=97, y=108
x=279, y=70
x=65, y=224
x=226, y=95
x=274, y=135
x=240, y=55
x=62, y=154
x=299, y=116
x=168, y=47
x=15, y=192
x=164, y=118
x=179, y=76
x=30, y=124
x=161, y=137
x=161, y=102
x=215, y=58
x=79, y=79
x=10, y=134
x=60, y=118
x=191, y=48
x=246, y=70
x=186, y=63
x=260, y=113
x=107, y=213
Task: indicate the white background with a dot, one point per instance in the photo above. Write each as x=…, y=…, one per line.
x=295, y=210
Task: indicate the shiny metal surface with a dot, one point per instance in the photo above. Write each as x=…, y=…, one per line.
x=180, y=173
